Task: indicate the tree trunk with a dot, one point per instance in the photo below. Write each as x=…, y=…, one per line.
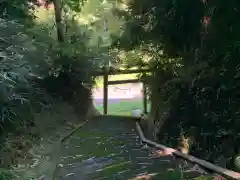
x=153, y=109
x=152, y=115
x=58, y=19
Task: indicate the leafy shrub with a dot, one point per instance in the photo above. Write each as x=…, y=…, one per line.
x=33, y=65
x=22, y=59
x=7, y=175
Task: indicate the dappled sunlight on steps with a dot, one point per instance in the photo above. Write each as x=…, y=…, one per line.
x=109, y=147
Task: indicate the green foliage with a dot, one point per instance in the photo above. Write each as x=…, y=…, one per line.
x=20, y=60
x=75, y=5
x=7, y=175
x=34, y=63
x=26, y=55
x=21, y=10
x=196, y=61
x=10, y=175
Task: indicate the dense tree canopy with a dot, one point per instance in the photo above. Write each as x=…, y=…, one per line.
x=85, y=48
x=201, y=84
x=193, y=46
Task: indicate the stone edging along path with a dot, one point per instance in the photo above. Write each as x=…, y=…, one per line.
x=222, y=171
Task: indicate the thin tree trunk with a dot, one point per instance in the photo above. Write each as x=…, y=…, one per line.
x=58, y=19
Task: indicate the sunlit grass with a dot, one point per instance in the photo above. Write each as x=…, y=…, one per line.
x=124, y=107
x=99, y=80
x=204, y=178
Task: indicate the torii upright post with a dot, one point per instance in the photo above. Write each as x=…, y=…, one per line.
x=105, y=91
x=144, y=94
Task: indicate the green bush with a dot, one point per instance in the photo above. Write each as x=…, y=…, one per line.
x=34, y=67
x=7, y=175
x=22, y=59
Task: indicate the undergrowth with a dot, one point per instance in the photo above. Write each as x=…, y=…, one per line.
x=206, y=114
x=7, y=175
x=194, y=89
x=35, y=73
